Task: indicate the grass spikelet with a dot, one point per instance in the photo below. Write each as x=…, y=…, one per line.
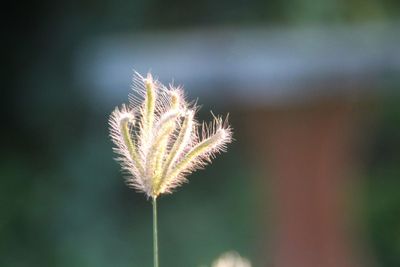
x=163, y=146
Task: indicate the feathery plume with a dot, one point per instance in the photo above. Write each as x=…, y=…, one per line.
x=157, y=137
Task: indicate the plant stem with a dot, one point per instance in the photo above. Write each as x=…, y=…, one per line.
x=155, y=234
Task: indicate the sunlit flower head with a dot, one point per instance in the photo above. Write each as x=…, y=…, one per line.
x=159, y=141
x=231, y=259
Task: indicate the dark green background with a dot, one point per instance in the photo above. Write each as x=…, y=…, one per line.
x=62, y=198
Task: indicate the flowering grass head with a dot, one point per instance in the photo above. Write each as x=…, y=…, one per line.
x=159, y=141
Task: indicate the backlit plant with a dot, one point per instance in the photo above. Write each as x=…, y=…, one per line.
x=159, y=141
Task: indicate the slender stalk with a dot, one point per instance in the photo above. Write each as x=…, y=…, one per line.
x=155, y=234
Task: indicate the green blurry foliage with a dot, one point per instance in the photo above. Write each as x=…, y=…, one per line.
x=381, y=192
x=62, y=199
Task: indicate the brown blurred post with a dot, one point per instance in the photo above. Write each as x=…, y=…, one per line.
x=308, y=150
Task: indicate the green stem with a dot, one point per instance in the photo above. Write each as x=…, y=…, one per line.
x=155, y=234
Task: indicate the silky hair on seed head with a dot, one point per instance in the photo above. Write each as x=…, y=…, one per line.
x=158, y=139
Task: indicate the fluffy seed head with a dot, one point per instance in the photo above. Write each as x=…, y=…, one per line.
x=159, y=141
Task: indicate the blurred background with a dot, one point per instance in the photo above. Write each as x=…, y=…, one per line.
x=312, y=88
